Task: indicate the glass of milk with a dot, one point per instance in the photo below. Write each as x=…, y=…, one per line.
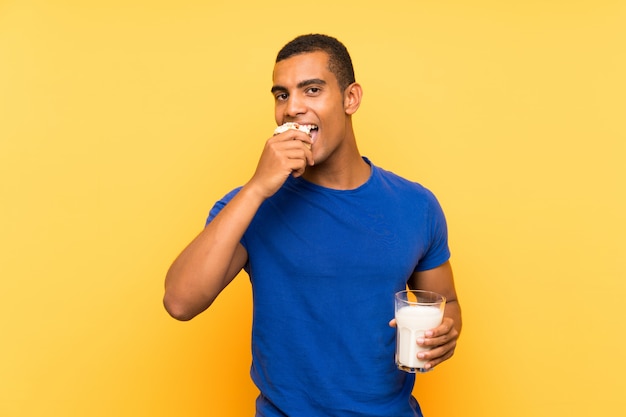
x=416, y=312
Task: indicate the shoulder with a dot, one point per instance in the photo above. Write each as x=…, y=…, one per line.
x=400, y=191
x=395, y=182
x=219, y=205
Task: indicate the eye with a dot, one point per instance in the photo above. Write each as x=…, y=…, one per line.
x=313, y=91
x=281, y=96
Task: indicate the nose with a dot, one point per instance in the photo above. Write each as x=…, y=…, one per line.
x=295, y=106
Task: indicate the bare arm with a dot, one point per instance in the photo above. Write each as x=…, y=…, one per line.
x=442, y=339
x=211, y=261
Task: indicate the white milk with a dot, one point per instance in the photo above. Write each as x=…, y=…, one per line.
x=412, y=322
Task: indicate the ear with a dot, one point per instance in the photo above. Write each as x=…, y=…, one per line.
x=352, y=98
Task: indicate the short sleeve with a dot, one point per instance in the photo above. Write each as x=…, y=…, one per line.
x=219, y=205
x=438, y=251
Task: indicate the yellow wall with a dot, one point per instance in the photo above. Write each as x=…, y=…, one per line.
x=121, y=122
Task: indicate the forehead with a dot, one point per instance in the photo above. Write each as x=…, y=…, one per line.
x=307, y=66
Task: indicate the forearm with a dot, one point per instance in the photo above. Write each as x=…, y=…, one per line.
x=210, y=262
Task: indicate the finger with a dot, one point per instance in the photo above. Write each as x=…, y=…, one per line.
x=435, y=341
x=288, y=149
x=295, y=138
x=434, y=362
x=445, y=327
x=392, y=323
x=297, y=169
x=307, y=143
x=298, y=161
x=309, y=156
x=437, y=355
x=286, y=154
x=304, y=138
x=300, y=144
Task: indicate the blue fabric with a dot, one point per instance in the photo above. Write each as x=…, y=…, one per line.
x=324, y=266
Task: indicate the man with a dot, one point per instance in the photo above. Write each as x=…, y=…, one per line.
x=327, y=238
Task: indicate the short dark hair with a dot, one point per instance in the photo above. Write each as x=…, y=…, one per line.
x=339, y=61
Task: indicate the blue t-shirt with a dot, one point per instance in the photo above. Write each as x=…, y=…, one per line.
x=324, y=266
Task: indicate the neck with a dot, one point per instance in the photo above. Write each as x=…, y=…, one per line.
x=348, y=175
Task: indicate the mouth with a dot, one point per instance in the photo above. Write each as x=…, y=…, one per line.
x=308, y=128
x=311, y=130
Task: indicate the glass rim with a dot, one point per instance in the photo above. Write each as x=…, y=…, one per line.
x=433, y=297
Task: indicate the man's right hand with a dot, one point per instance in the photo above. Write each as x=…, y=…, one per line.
x=284, y=154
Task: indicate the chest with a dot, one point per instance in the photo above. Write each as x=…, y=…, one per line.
x=329, y=237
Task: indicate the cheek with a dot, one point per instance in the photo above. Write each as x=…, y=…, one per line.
x=330, y=112
x=277, y=114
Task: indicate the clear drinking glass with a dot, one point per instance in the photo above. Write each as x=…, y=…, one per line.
x=416, y=312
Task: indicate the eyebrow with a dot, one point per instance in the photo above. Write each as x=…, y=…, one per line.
x=301, y=84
